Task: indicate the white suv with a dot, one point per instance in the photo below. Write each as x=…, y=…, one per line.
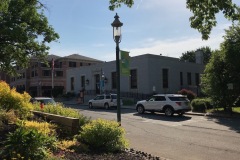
x=166, y=103
x=104, y=100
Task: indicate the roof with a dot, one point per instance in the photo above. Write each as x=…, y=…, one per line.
x=80, y=57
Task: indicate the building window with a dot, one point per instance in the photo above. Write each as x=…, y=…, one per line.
x=32, y=74
x=133, y=79
x=165, y=78
x=83, y=81
x=189, y=78
x=181, y=78
x=81, y=64
x=197, y=79
x=60, y=64
x=59, y=73
x=114, y=80
x=72, y=64
x=46, y=73
x=72, y=83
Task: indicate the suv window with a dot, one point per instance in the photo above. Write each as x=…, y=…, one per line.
x=114, y=96
x=108, y=97
x=160, y=98
x=178, y=98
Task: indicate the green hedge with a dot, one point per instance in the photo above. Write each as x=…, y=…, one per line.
x=201, y=104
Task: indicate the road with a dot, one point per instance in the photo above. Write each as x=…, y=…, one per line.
x=177, y=138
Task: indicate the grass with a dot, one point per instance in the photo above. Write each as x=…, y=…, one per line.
x=234, y=109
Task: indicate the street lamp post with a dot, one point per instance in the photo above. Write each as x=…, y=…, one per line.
x=117, y=38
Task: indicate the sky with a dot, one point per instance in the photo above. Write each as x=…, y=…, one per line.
x=150, y=26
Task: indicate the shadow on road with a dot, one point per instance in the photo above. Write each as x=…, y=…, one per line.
x=232, y=123
x=162, y=117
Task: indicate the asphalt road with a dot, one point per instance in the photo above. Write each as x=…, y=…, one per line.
x=177, y=138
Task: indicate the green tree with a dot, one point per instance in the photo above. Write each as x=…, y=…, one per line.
x=190, y=55
x=224, y=69
x=24, y=32
x=204, y=12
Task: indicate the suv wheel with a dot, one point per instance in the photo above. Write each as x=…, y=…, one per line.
x=106, y=106
x=168, y=111
x=90, y=105
x=140, y=109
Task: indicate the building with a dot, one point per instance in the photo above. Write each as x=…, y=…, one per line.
x=149, y=74
x=38, y=80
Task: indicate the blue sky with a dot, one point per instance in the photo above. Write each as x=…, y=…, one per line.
x=150, y=26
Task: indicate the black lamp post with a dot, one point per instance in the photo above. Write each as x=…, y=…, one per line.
x=117, y=38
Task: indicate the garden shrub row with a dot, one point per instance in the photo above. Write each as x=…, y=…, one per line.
x=38, y=139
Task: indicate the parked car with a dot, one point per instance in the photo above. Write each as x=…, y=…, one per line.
x=166, y=103
x=104, y=100
x=43, y=100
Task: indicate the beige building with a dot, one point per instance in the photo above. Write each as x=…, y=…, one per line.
x=42, y=80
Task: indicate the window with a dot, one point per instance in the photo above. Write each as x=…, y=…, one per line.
x=133, y=80
x=114, y=80
x=83, y=81
x=189, y=78
x=60, y=64
x=72, y=64
x=165, y=77
x=46, y=73
x=197, y=79
x=160, y=98
x=81, y=64
x=32, y=74
x=59, y=73
x=72, y=83
x=181, y=78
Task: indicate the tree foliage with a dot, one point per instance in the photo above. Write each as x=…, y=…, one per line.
x=223, y=69
x=190, y=55
x=24, y=32
x=204, y=12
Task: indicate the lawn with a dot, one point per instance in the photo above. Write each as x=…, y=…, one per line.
x=234, y=109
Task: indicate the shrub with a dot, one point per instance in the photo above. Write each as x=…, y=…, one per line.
x=41, y=127
x=29, y=143
x=60, y=109
x=200, y=105
x=12, y=100
x=103, y=135
x=190, y=94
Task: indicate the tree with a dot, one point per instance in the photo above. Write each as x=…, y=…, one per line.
x=190, y=55
x=223, y=69
x=204, y=12
x=24, y=32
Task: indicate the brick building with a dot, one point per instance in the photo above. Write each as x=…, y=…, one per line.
x=37, y=80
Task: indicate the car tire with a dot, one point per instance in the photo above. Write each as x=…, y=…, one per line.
x=106, y=106
x=90, y=105
x=140, y=109
x=168, y=111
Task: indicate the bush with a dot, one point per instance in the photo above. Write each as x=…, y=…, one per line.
x=28, y=143
x=12, y=100
x=200, y=105
x=103, y=135
x=61, y=110
x=41, y=127
x=190, y=94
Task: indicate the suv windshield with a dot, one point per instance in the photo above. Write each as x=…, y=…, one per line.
x=178, y=98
